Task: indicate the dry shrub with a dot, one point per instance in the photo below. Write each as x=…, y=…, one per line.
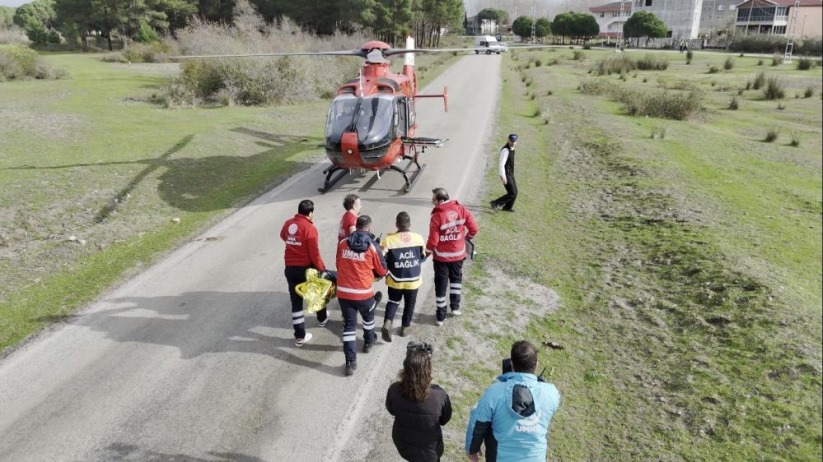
x=734, y=104
x=759, y=81
x=263, y=80
x=579, y=55
x=666, y=105
x=809, y=92
x=13, y=36
x=771, y=135
x=728, y=64
x=804, y=64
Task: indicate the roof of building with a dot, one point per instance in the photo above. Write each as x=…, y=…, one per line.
x=611, y=7
x=781, y=3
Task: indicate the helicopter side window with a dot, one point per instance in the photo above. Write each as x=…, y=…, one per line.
x=402, y=116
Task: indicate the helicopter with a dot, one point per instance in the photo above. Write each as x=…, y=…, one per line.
x=371, y=124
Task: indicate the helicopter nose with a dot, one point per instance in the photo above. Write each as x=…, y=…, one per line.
x=351, y=153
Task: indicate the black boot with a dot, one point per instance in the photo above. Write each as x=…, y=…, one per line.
x=351, y=366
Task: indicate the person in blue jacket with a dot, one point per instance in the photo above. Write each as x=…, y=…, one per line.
x=512, y=417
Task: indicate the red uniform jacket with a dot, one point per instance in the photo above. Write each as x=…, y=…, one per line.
x=349, y=219
x=300, y=237
x=450, y=225
x=359, y=261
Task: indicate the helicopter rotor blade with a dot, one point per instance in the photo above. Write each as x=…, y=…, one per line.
x=359, y=53
x=401, y=51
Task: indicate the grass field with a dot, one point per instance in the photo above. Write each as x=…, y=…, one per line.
x=98, y=182
x=686, y=254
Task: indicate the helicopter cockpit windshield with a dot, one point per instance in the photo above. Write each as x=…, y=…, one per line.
x=371, y=117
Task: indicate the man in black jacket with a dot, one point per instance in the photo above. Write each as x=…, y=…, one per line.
x=506, y=171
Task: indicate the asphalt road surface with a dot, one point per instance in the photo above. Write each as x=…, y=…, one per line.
x=193, y=359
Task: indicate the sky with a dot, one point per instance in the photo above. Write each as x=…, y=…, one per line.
x=13, y=2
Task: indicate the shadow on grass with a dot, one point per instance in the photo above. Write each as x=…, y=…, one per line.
x=209, y=183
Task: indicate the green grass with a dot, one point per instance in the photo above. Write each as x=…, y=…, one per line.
x=688, y=267
x=90, y=158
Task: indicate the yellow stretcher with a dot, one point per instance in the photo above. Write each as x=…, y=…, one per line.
x=316, y=291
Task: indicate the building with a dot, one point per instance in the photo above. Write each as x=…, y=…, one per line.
x=776, y=17
x=681, y=16
x=611, y=18
x=718, y=17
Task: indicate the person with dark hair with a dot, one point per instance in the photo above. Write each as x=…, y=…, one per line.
x=451, y=224
x=348, y=223
x=506, y=171
x=419, y=408
x=404, y=252
x=512, y=417
x=359, y=262
x=302, y=252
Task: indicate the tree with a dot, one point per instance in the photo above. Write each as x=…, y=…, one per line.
x=522, y=26
x=38, y=11
x=77, y=18
x=575, y=25
x=644, y=24
x=6, y=16
x=543, y=28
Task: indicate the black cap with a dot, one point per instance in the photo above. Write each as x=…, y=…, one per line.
x=513, y=137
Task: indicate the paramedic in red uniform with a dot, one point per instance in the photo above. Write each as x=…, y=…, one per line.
x=302, y=252
x=359, y=262
x=349, y=220
x=451, y=224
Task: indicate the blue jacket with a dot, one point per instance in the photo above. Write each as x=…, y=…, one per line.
x=518, y=410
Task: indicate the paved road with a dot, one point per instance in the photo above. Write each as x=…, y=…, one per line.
x=192, y=360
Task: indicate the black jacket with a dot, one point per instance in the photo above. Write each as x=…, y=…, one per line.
x=416, y=432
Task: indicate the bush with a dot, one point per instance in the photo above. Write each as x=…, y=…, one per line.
x=146, y=53
x=795, y=140
x=18, y=62
x=759, y=62
x=809, y=92
x=579, y=55
x=771, y=135
x=804, y=64
x=733, y=104
x=13, y=36
x=781, y=106
x=728, y=64
x=616, y=65
x=774, y=89
x=677, y=106
x=689, y=55
x=759, y=81
x=651, y=63
x=777, y=59
x=714, y=70
x=146, y=33
x=259, y=81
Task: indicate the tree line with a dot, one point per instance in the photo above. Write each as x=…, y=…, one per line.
x=145, y=20
x=46, y=21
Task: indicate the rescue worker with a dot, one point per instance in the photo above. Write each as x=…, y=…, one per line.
x=405, y=254
x=506, y=171
x=302, y=252
x=512, y=417
x=349, y=220
x=451, y=224
x=359, y=262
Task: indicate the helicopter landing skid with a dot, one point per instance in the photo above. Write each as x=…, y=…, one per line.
x=410, y=181
x=333, y=175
